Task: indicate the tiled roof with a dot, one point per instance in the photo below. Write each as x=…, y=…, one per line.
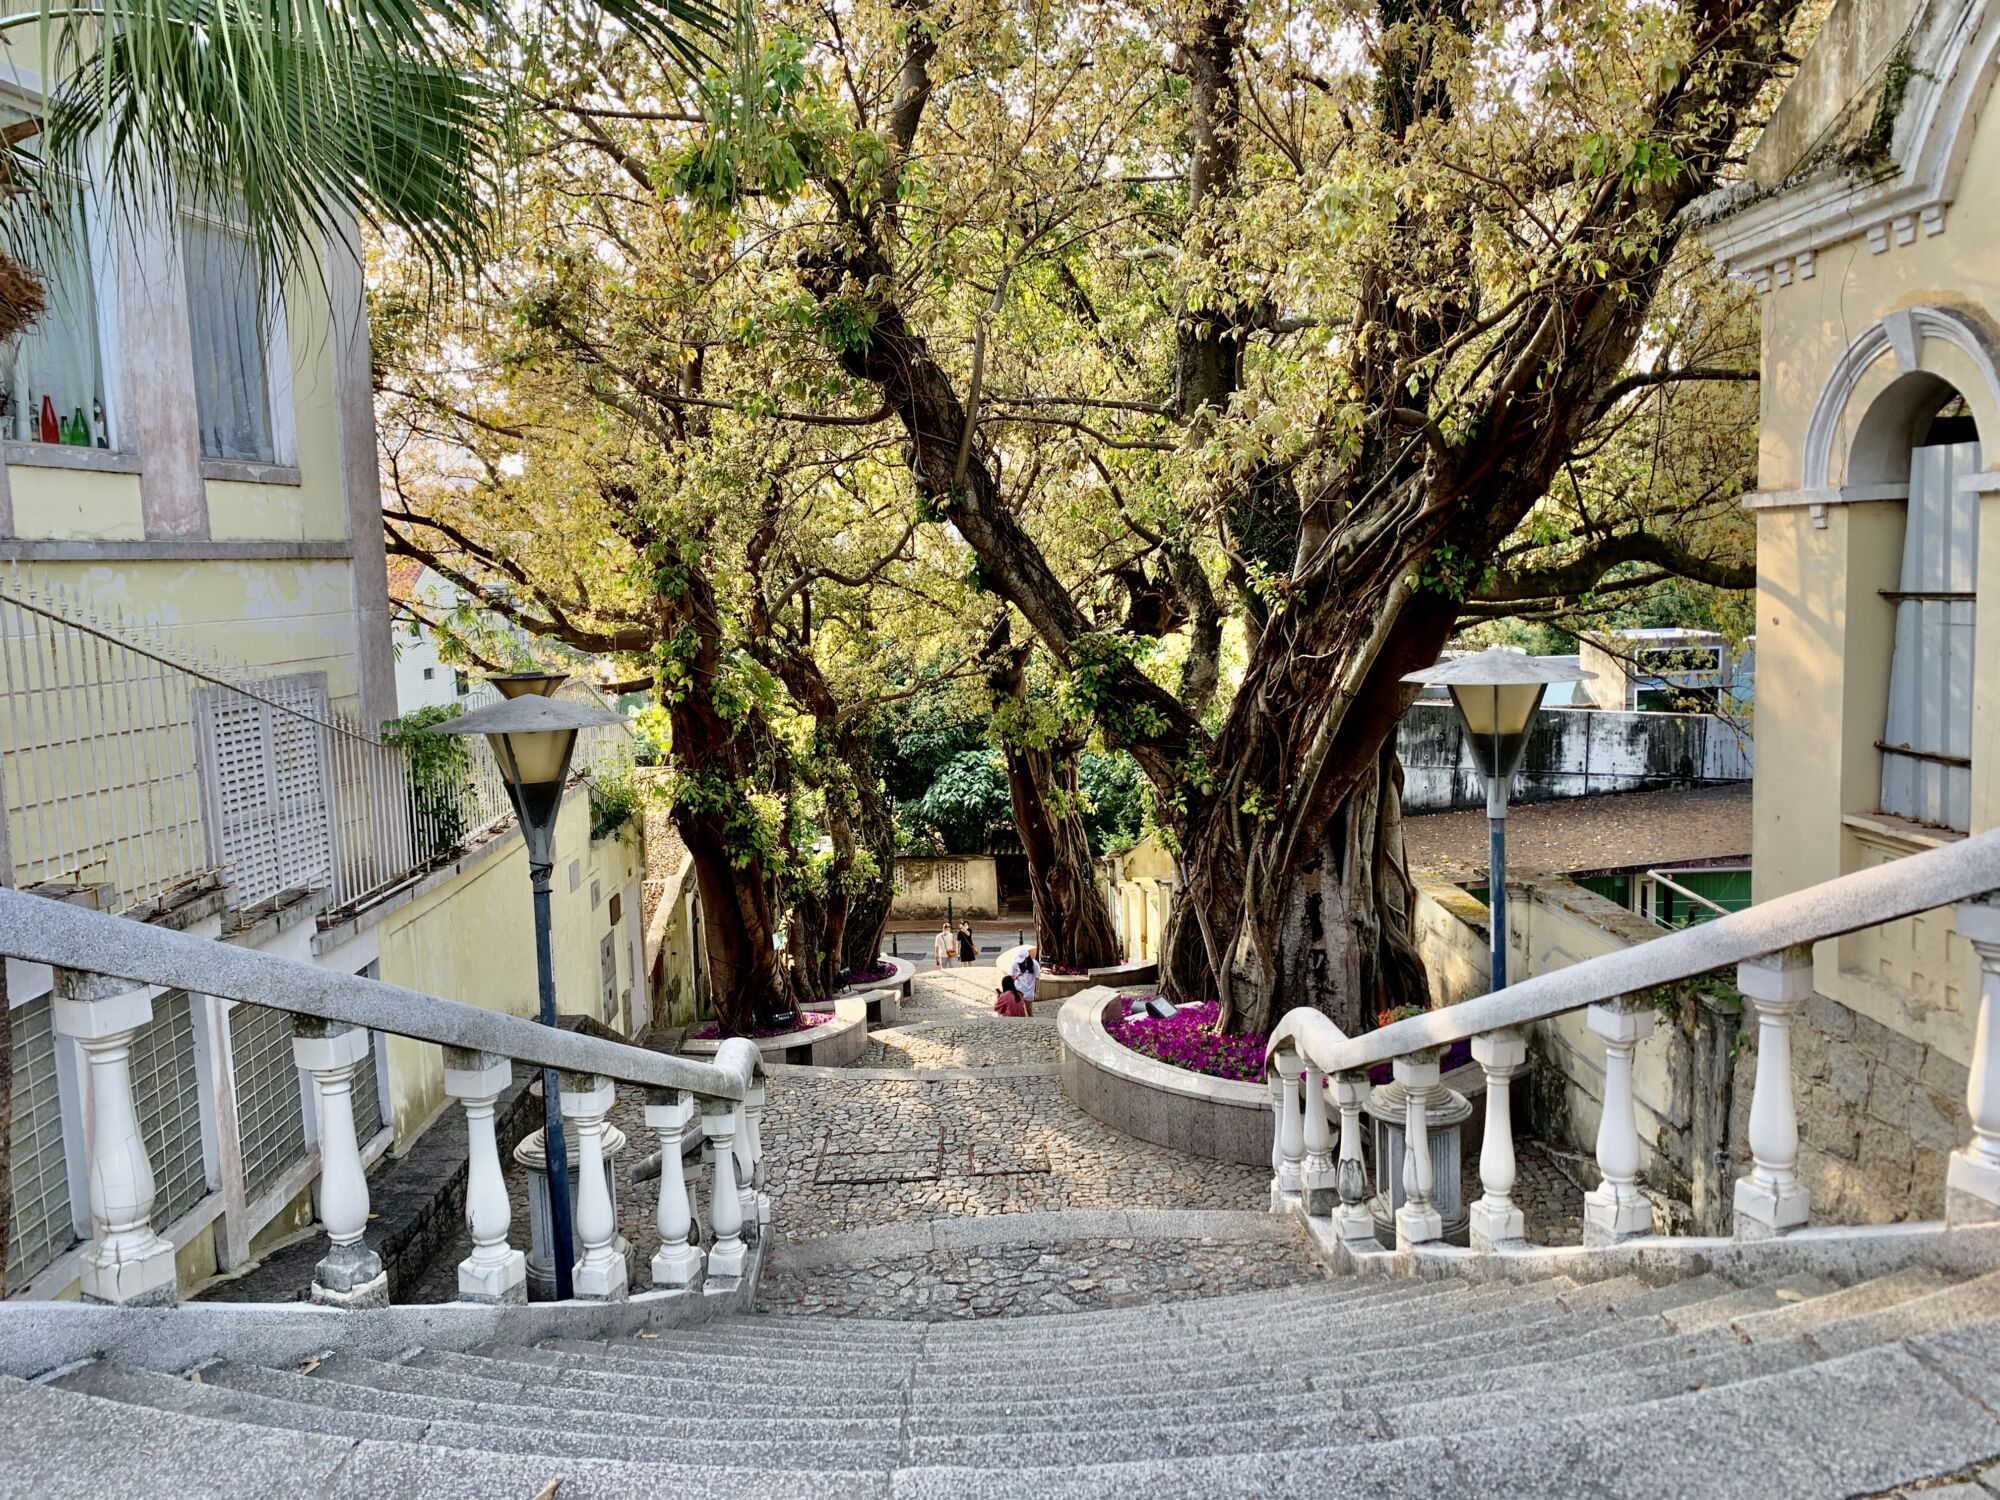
x=1579, y=835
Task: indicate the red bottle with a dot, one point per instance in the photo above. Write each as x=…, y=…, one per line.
x=51, y=429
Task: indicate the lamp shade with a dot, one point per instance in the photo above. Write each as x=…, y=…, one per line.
x=1497, y=692
x=527, y=684
x=532, y=736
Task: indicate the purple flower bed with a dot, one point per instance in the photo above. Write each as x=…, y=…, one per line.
x=806, y=1021
x=1189, y=1040
x=1064, y=970
x=879, y=970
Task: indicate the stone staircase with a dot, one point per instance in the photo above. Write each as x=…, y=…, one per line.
x=1362, y=1385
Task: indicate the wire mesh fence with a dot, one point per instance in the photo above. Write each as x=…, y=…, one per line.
x=137, y=768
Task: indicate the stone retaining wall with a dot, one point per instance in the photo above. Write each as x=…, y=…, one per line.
x=1213, y=1118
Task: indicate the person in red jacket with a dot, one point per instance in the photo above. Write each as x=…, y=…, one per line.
x=1009, y=1002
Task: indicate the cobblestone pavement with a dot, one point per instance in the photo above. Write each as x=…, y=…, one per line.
x=1017, y=1281
x=959, y=1114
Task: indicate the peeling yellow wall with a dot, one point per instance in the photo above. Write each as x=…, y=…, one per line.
x=473, y=939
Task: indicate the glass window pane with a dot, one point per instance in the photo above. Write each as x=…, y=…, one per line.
x=226, y=315
x=54, y=378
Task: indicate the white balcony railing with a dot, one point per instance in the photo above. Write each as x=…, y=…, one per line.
x=136, y=770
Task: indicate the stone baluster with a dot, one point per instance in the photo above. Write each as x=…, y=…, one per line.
x=494, y=1272
x=1353, y=1222
x=1417, y=1222
x=1615, y=1209
x=350, y=1274
x=677, y=1263
x=1495, y=1219
x=750, y=1164
x=1771, y=1199
x=728, y=1252
x=600, y=1270
x=126, y=1262
x=1291, y=1123
x=1972, y=1177
x=1276, y=1084
x=1317, y=1179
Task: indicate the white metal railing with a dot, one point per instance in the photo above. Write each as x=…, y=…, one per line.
x=107, y=969
x=135, y=765
x=1771, y=945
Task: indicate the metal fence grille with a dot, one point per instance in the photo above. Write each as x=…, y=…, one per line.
x=166, y=1085
x=269, y=1113
x=139, y=764
x=367, y=1098
x=44, y=1224
x=1927, y=742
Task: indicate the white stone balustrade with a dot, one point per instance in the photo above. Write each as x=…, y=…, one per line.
x=750, y=1165
x=126, y=1262
x=1352, y=1221
x=350, y=1274
x=1615, y=1209
x=677, y=1263
x=1291, y=1123
x=494, y=1272
x=599, y=1274
x=1417, y=1222
x=1771, y=1199
x=727, y=1253
x=1318, y=1179
x=1972, y=1176
x=1494, y=1219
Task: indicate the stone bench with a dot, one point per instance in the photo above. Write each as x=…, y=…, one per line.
x=898, y=983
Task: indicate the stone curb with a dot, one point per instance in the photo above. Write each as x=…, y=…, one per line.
x=913, y=1075
x=1055, y=1226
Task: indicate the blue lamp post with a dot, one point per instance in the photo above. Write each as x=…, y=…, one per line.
x=1497, y=692
x=533, y=735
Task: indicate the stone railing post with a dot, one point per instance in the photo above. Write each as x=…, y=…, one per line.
x=494, y=1272
x=600, y=1270
x=1417, y=1222
x=1291, y=1123
x=1771, y=1199
x=728, y=1253
x=1352, y=1221
x=126, y=1262
x=677, y=1263
x=1495, y=1220
x=1317, y=1178
x=1972, y=1177
x=350, y=1274
x=750, y=1164
x=1615, y=1209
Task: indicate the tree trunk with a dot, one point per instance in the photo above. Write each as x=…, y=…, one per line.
x=868, y=905
x=1072, y=921
x=720, y=758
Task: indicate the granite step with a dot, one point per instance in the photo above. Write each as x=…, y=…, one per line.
x=1862, y=1422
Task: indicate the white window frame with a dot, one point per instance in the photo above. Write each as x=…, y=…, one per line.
x=277, y=345
x=23, y=91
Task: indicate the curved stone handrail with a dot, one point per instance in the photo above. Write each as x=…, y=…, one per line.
x=1916, y=883
x=1313, y=1068
x=39, y=930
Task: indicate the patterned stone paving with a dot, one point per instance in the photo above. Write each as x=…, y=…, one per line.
x=1019, y=1281
x=976, y=1125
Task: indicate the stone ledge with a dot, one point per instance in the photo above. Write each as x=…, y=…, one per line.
x=1213, y=1118
x=891, y=1241
x=837, y=1043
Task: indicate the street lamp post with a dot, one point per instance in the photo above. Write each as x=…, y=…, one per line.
x=1497, y=692
x=533, y=735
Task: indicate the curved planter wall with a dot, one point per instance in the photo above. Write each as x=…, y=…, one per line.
x=1208, y=1117
x=1063, y=986
x=834, y=1045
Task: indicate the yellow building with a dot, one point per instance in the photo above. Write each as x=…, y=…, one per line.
x=1867, y=226
x=195, y=669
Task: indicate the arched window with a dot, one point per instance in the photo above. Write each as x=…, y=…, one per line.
x=1927, y=738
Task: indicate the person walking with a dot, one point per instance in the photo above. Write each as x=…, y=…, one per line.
x=968, y=950
x=944, y=947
